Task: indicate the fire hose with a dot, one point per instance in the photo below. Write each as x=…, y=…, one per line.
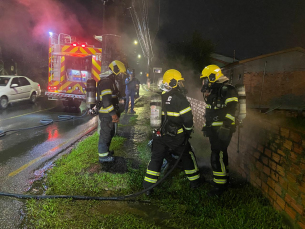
x=117, y=198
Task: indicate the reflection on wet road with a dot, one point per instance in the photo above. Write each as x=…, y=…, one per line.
x=22, y=152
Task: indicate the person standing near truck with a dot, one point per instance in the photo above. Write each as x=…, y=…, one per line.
x=131, y=86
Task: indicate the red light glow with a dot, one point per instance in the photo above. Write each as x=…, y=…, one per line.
x=52, y=88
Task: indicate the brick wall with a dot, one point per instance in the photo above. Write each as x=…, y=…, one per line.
x=285, y=89
x=271, y=158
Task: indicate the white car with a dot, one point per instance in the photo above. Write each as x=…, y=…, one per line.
x=17, y=88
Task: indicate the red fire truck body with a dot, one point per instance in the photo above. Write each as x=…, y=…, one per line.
x=71, y=64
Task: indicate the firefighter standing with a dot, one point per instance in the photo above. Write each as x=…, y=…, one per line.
x=177, y=125
x=108, y=100
x=221, y=103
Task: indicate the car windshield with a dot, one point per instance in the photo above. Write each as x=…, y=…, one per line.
x=4, y=81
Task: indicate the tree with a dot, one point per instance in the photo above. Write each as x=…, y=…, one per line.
x=192, y=54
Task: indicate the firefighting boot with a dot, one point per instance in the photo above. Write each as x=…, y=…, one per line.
x=197, y=183
x=218, y=190
x=149, y=192
x=106, y=159
x=111, y=152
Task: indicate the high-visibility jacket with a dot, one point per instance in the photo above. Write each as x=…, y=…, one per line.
x=221, y=106
x=178, y=110
x=107, y=96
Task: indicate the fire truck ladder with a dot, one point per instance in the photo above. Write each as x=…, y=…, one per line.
x=55, y=46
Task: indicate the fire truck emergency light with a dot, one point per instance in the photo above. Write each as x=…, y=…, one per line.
x=52, y=88
x=83, y=45
x=74, y=44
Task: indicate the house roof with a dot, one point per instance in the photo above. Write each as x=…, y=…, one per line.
x=221, y=58
x=299, y=49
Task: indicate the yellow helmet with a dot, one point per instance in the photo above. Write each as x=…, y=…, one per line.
x=212, y=72
x=171, y=78
x=117, y=67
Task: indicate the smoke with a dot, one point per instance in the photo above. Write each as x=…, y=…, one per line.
x=50, y=15
x=26, y=22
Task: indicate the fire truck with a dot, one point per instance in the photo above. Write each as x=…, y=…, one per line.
x=71, y=65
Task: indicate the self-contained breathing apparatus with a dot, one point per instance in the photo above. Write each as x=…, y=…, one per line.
x=91, y=93
x=241, y=111
x=219, y=102
x=162, y=126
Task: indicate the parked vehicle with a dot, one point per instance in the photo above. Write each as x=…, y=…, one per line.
x=17, y=88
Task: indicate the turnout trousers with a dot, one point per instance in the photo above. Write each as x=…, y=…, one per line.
x=219, y=157
x=161, y=147
x=106, y=134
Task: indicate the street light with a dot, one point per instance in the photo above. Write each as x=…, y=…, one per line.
x=139, y=56
x=135, y=42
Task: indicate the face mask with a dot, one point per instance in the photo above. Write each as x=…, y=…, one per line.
x=165, y=87
x=180, y=84
x=205, y=85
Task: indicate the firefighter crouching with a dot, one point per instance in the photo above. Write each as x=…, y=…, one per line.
x=221, y=102
x=176, y=127
x=107, y=103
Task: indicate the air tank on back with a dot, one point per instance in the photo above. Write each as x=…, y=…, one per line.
x=91, y=93
x=242, y=102
x=155, y=111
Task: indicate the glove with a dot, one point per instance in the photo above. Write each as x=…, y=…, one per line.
x=98, y=105
x=206, y=130
x=93, y=111
x=224, y=133
x=115, y=118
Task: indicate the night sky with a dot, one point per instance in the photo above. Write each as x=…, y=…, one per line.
x=250, y=27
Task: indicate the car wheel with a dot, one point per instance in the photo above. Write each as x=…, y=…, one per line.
x=33, y=98
x=3, y=102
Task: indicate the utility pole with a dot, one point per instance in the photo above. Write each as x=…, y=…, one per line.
x=1, y=63
x=103, y=12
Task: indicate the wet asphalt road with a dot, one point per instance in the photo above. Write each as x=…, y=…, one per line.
x=26, y=154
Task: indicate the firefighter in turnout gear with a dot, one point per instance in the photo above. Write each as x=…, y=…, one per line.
x=221, y=103
x=176, y=128
x=107, y=103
